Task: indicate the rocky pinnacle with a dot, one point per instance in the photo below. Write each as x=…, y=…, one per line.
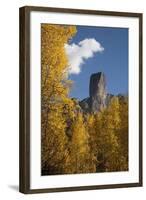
x=97, y=92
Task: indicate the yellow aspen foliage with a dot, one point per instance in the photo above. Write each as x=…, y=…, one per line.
x=54, y=143
x=54, y=60
x=80, y=160
x=90, y=123
x=54, y=95
x=106, y=126
x=123, y=133
x=72, y=141
x=108, y=136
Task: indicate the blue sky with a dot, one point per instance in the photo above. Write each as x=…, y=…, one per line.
x=113, y=61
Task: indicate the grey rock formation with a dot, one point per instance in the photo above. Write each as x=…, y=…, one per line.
x=97, y=91
x=98, y=96
x=85, y=105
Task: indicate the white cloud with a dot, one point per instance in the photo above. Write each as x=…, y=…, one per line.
x=78, y=53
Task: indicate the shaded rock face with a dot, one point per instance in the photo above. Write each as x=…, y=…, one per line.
x=98, y=96
x=97, y=91
x=85, y=105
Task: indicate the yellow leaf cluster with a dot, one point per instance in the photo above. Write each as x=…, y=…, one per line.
x=72, y=141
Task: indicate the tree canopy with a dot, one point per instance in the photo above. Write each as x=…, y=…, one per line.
x=72, y=141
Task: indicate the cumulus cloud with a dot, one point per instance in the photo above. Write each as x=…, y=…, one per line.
x=78, y=53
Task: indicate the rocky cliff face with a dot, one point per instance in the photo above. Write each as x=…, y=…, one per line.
x=98, y=97
x=97, y=91
x=97, y=94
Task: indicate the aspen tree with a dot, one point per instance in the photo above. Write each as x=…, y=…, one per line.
x=54, y=95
